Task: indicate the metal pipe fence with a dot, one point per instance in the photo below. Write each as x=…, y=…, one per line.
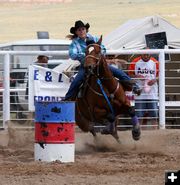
x=6, y=90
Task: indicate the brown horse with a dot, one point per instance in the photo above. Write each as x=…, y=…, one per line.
x=103, y=97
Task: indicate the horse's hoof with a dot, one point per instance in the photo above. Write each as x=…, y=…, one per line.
x=115, y=135
x=109, y=129
x=118, y=140
x=93, y=132
x=105, y=131
x=136, y=132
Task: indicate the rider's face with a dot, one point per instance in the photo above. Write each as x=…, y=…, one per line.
x=81, y=32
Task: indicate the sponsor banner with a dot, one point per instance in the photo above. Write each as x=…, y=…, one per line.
x=46, y=85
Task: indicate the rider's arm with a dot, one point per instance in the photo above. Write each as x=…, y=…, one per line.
x=74, y=52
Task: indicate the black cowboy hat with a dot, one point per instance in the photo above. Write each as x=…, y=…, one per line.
x=79, y=24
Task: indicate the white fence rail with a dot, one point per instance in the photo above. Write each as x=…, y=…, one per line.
x=160, y=52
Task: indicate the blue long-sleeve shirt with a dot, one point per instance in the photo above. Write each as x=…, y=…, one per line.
x=78, y=47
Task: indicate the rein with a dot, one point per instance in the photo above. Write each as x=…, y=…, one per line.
x=105, y=96
x=100, y=94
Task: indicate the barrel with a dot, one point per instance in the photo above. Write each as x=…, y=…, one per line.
x=54, y=131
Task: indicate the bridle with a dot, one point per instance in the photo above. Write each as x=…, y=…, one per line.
x=97, y=74
x=92, y=56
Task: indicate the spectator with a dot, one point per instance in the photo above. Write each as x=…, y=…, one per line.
x=42, y=60
x=145, y=68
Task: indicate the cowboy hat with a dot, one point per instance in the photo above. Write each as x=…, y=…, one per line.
x=79, y=24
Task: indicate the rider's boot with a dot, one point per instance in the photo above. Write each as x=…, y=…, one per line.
x=131, y=85
x=137, y=90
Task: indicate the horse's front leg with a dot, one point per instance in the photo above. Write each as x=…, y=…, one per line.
x=136, y=130
x=126, y=108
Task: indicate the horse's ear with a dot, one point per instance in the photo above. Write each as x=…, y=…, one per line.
x=100, y=40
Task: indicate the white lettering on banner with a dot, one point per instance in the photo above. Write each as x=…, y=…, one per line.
x=46, y=85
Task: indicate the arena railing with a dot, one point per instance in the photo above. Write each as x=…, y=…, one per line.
x=160, y=52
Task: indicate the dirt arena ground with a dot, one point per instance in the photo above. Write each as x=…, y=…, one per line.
x=96, y=162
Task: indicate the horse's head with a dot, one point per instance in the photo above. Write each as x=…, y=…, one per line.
x=93, y=55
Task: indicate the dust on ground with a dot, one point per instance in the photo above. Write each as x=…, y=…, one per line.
x=97, y=162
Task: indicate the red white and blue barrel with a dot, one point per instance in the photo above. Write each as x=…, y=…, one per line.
x=54, y=131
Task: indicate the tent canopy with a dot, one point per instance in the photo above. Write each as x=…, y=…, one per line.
x=131, y=35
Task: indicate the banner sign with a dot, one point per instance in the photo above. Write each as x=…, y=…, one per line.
x=46, y=85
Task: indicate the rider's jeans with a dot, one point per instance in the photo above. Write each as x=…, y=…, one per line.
x=120, y=74
x=78, y=80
